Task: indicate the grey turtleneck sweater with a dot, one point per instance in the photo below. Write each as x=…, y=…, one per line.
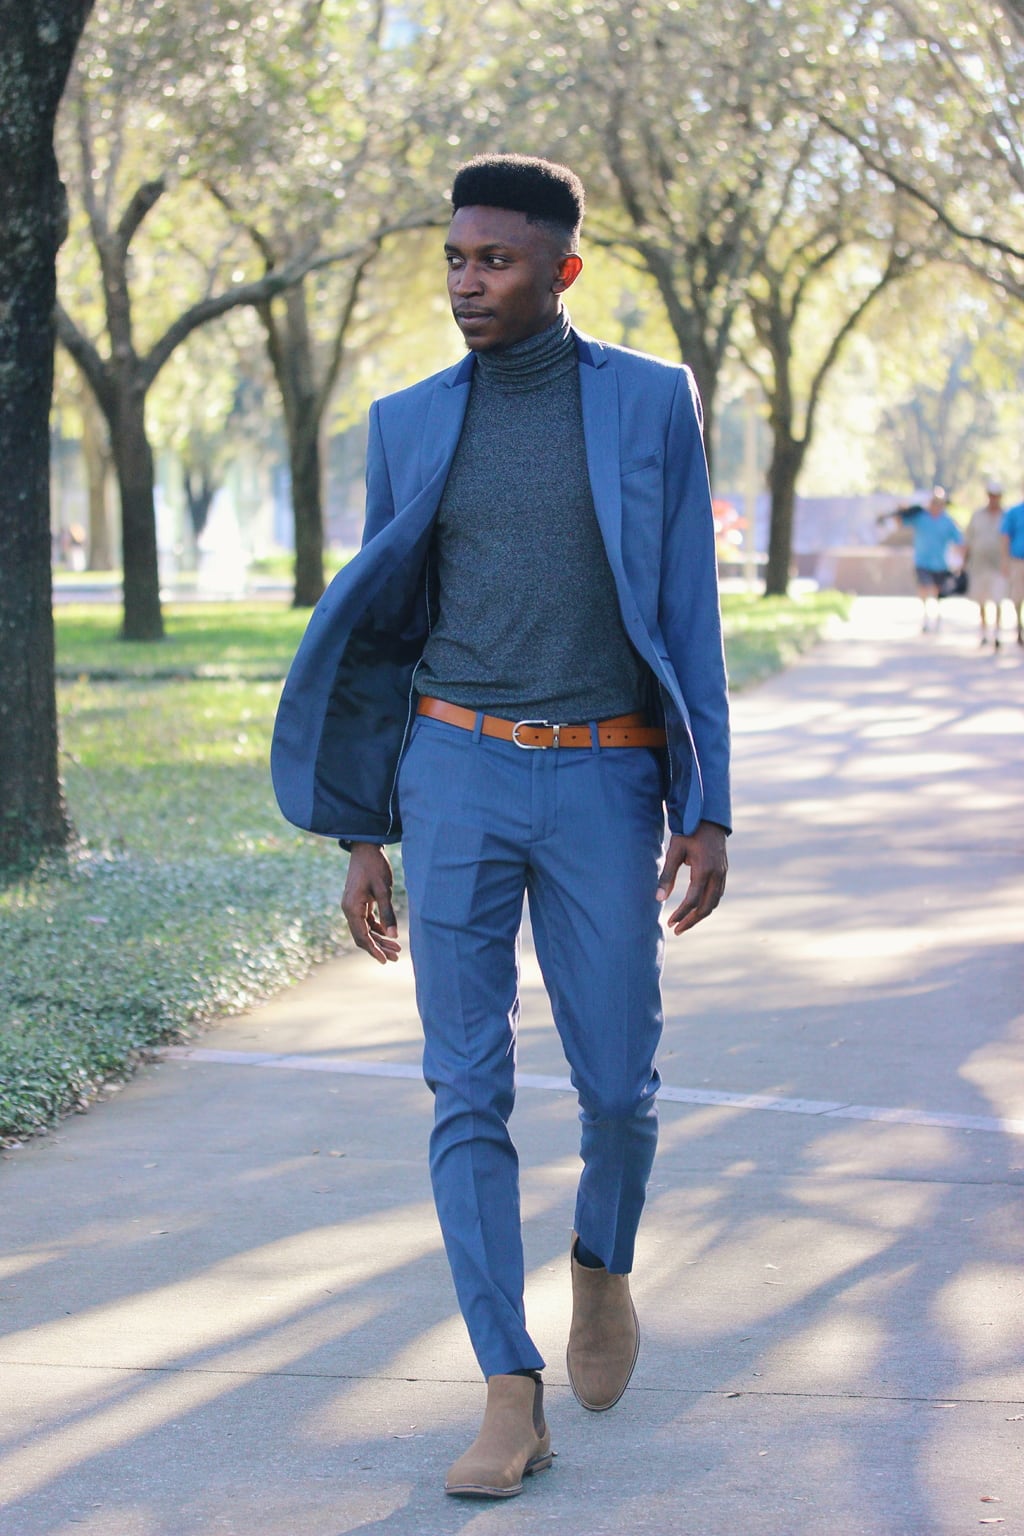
x=528, y=622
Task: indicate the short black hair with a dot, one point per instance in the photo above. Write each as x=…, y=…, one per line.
x=547, y=193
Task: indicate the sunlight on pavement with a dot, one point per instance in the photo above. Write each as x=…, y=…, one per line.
x=254, y=1314
x=979, y=1311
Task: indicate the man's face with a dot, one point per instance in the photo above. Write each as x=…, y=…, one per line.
x=937, y=505
x=505, y=276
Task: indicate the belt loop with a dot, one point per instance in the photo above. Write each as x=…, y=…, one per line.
x=595, y=739
x=478, y=725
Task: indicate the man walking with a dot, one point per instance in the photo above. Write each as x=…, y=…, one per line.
x=1012, y=529
x=934, y=531
x=521, y=675
x=984, y=559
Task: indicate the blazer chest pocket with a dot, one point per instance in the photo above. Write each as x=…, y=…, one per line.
x=637, y=462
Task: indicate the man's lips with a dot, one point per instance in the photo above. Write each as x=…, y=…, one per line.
x=470, y=315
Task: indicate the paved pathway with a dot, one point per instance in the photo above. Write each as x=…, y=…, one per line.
x=224, y=1304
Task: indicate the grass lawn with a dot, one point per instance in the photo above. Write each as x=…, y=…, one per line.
x=764, y=634
x=208, y=640
x=189, y=897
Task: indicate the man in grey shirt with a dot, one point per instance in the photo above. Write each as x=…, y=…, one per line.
x=521, y=674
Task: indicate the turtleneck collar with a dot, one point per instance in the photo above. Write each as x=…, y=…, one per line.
x=529, y=364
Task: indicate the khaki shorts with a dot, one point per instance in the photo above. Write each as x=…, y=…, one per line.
x=987, y=586
x=1017, y=581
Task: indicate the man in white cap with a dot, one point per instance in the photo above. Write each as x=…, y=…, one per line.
x=984, y=560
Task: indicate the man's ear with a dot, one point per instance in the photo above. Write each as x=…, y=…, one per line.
x=569, y=269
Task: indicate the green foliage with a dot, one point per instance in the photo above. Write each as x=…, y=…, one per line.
x=189, y=898
x=204, y=640
x=930, y=95
x=764, y=634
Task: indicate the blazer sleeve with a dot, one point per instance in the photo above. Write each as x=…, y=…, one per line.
x=380, y=501
x=688, y=603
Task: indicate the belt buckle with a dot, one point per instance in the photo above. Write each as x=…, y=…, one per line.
x=535, y=746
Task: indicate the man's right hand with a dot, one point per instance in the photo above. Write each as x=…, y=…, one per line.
x=366, y=903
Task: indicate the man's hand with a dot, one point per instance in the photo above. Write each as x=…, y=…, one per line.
x=366, y=903
x=704, y=852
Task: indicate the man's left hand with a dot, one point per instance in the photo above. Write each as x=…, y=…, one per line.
x=704, y=852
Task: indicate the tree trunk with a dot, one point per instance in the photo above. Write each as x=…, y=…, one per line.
x=787, y=457
x=133, y=462
x=200, y=489
x=694, y=349
x=96, y=458
x=39, y=41
x=695, y=355
x=307, y=502
x=32, y=815
x=292, y=356
x=707, y=386
x=292, y=352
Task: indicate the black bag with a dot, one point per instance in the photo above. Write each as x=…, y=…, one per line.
x=952, y=584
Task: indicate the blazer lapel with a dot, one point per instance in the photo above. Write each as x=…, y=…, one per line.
x=443, y=423
x=599, y=394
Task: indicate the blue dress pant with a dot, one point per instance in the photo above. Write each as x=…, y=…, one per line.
x=579, y=833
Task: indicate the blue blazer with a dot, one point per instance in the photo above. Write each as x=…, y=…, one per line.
x=348, y=700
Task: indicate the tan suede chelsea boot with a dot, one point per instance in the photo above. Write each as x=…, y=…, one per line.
x=513, y=1442
x=604, y=1339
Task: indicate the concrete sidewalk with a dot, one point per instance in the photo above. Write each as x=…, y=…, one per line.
x=226, y=1309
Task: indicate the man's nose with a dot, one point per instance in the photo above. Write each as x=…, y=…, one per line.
x=467, y=280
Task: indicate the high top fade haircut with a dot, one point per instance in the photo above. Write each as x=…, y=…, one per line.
x=547, y=193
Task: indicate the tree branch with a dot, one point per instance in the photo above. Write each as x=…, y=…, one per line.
x=258, y=292
x=86, y=355
x=143, y=201
x=882, y=168
x=894, y=268
x=256, y=235
x=97, y=220
x=333, y=368
x=254, y=293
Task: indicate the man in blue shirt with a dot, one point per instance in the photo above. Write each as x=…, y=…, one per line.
x=934, y=530
x=1012, y=529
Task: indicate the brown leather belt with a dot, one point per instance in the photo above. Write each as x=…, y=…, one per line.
x=531, y=735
